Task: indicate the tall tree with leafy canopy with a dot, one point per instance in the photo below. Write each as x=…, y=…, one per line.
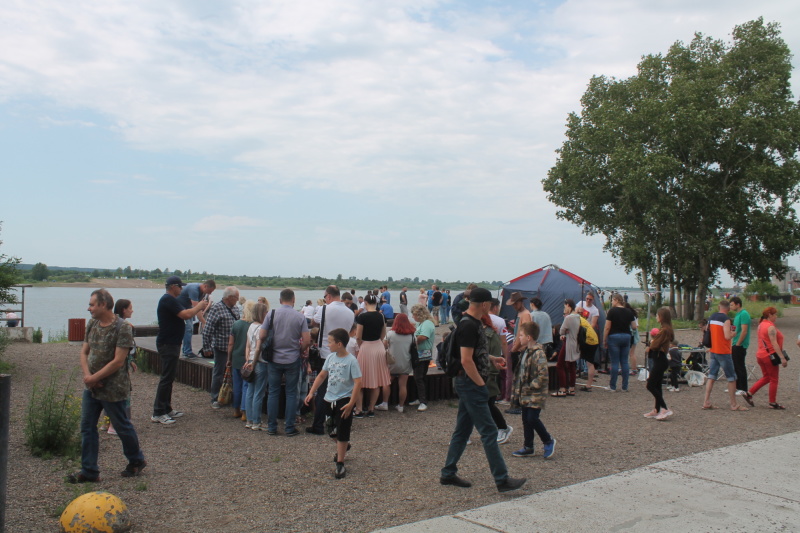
x=9, y=275
x=690, y=166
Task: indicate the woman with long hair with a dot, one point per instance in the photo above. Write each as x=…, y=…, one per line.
x=635, y=339
x=770, y=350
x=124, y=309
x=659, y=347
x=237, y=342
x=254, y=399
x=371, y=335
x=424, y=335
x=617, y=340
x=400, y=339
x=568, y=355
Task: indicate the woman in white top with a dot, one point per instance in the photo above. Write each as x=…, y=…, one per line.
x=252, y=361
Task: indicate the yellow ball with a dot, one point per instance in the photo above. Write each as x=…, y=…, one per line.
x=98, y=511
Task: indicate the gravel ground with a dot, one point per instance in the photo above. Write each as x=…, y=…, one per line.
x=206, y=472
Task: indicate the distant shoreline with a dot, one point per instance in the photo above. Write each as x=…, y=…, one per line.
x=107, y=283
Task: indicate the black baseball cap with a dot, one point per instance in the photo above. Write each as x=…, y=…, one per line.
x=480, y=295
x=174, y=280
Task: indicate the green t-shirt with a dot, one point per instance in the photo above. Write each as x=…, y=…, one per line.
x=742, y=318
x=239, y=334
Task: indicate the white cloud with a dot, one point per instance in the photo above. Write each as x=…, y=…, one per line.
x=225, y=223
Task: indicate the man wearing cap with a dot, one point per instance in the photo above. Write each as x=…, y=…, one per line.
x=191, y=294
x=171, y=316
x=473, y=397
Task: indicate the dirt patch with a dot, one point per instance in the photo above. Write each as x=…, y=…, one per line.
x=207, y=472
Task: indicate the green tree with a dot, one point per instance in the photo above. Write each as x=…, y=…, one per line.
x=761, y=287
x=9, y=275
x=40, y=272
x=689, y=166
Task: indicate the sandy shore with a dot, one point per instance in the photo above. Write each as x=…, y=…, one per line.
x=207, y=473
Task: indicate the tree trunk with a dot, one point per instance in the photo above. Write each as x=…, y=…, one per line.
x=702, y=287
x=672, y=308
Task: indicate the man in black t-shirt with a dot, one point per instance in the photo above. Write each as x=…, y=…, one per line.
x=473, y=398
x=171, y=325
x=436, y=302
x=404, y=301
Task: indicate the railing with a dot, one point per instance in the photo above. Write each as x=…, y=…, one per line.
x=21, y=310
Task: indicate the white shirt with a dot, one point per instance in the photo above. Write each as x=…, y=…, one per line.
x=308, y=311
x=337, y=315
x=593, y=311
x=499, y=324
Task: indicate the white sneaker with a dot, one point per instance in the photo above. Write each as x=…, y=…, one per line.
x=259, y=427
x=248, y=425
x=399, y=408
x=422, y=407
x=175, y=414
x=415, y=402
x=676, y=389
x=741, y=393
x=670, y=388
x=163, y=419
x=504, y=434
x=382, y=407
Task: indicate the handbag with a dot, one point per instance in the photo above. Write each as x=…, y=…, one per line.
x=389, y=357
x=248, y=374
x=226, y=390
x=412, y=350
x=268, y=348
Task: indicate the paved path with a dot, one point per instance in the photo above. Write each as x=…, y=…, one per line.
x=747, y=487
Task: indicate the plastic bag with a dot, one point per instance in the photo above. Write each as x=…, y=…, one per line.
x=695, y=378
x=643, y=374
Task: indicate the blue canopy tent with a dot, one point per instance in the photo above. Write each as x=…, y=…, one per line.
x=552, y=285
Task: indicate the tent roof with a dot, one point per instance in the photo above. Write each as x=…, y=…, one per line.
x=545, y=271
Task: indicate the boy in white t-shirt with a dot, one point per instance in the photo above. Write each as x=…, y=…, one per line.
x=344, y=386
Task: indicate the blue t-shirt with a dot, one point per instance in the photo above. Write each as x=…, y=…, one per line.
x=342, y=372
x=386, y=296
x=387, y=311
x=170, y=327
x=188, y=293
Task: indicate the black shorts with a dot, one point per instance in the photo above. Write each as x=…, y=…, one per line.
x=341, y=424
x=589, y=353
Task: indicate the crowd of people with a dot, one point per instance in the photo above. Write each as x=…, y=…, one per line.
x=338, y=360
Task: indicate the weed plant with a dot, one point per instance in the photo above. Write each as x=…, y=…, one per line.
x=5, y=366
x=37, y=336
x=57, y=336
x=143, y=362
x=53, y=417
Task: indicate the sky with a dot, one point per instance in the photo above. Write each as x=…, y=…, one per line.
x=322, y=137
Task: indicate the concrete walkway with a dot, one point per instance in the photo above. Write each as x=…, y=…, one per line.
x=747, y=487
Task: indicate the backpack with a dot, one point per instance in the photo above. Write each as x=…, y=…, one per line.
x=449, y=358
x=587, y=336
x=707, y=336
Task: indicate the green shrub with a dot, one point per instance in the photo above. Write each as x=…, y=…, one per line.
x=5, y=366
x=142, y=362
x=58, y=336
x=53, y=417
x=37, y=336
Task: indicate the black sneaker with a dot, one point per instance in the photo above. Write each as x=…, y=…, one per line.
x=78, y=477
x=134, y=469
x=455, y=481
x=510, y=484
x=272, y=432
x=370, y=414
x=358, y=415
x=341, y=471
x=313, y=431
x=292, y=433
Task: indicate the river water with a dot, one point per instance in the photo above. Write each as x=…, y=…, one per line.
x=50, y=308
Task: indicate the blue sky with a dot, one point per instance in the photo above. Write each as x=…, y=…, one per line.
x=377, y=139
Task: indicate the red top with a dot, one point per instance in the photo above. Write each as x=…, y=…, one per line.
x=764, y=344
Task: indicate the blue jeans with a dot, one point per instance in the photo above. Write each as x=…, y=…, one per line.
x=276, y=373
x=302, y=387
x=473, y=411
x=90, y=441
x=724, y=361
x=619, y=346
x=444, y=312
x=239, y=390
x=187, y=337
x=531, y=423
x=255, y=394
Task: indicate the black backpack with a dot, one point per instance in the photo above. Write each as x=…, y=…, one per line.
x=707, y=336
x=449, y=358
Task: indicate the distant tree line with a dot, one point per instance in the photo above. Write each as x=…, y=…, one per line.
x=41, y=272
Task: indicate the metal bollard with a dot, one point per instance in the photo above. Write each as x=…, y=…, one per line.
x=5, y=409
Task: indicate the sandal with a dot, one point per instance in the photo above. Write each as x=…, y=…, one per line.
x=559, y=394
x=584, y=388
x=571, y=393
x=776, y=406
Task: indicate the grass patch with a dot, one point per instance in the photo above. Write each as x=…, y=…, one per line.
x=143, y=362
x=5, y=366
x=37, y=336
x=53, y=418
x=58, y=336
x=276, y=459
x=141, y=486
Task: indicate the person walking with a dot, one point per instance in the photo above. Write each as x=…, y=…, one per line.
x=107, y=385
x=473, y=398
x=740, y=343
x=720, y=356
x=659, y=348
x=770, y=356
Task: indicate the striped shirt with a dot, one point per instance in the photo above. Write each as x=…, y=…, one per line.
x=716, y=324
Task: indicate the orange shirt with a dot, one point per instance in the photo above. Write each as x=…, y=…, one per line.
x=716, y=324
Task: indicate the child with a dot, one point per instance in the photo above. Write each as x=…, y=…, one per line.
x=352, y=344
x=530, y=391
x=344, y=386
x=675, y=364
